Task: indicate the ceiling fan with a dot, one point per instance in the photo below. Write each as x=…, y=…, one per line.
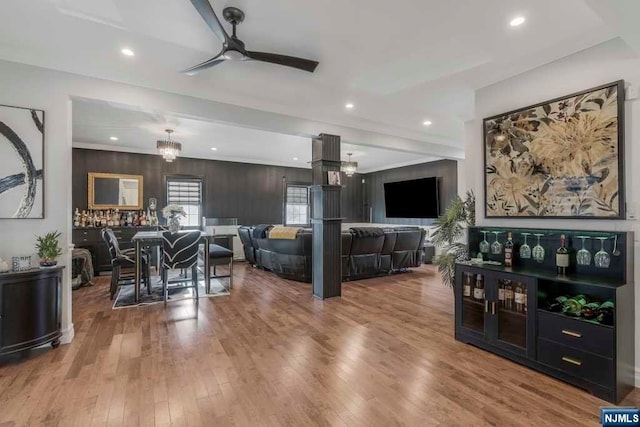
x=233, y=48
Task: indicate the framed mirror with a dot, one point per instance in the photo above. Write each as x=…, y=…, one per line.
x=115, y=191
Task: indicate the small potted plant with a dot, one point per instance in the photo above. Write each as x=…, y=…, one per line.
x=173, y=213
x=48, y=248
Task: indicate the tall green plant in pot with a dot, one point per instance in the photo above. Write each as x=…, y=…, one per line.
x=48, y=247
x=449, y=234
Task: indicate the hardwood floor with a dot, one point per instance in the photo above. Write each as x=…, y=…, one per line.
x=271, y=354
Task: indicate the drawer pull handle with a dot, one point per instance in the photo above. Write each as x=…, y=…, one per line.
x=493, y=307
x=486, y=306
x=572, y=334
x=572, y=361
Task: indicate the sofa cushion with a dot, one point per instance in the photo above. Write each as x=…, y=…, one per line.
x=367, y=231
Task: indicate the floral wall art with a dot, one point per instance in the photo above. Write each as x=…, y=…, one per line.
x=21, y=162
x=558, y=159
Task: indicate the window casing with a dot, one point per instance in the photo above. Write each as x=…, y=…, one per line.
x=186, y=192
x=297, y=205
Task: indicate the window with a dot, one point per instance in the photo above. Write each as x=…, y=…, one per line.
x=186, y=192
x=297, y=205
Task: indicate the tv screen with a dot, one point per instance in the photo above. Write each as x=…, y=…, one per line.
x=417, y=198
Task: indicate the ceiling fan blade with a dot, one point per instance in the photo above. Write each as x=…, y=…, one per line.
x=206, y=64
x=206, y=11
x=289, y=61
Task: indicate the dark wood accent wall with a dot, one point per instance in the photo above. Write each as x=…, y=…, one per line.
x=252, y=193
x=446, y=170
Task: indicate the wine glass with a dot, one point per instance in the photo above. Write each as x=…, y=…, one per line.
x=583, y=257
x=525, y=249
x=538, y=250
x=484, y=245
x=496, y=246
x=602, y=258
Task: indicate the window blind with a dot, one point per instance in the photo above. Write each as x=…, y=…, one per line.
x=184, y=192
x=297, y=205
x=297, y=195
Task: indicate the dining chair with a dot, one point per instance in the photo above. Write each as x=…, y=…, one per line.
x=221, y=253
x=123, y=260
x=180, y=252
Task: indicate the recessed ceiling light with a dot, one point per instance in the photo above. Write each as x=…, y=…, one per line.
x=295, y=158
x=349, y=105
x=127, y=52
x=113, y=138
x=427, y=123
x=214, y=149
x=517, y=21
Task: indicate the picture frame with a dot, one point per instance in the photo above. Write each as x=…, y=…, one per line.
x=560, y=159
x=22, y=139
x=115, y=191
x=333, y=178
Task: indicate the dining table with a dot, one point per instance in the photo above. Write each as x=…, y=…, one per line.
x=144, y=239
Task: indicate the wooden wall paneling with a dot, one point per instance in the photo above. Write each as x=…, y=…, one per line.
x=250, y=192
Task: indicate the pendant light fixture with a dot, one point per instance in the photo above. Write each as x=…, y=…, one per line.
x=167, y=148
x=349, y=167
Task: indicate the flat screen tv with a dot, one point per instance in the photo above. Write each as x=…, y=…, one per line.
x=417, y=198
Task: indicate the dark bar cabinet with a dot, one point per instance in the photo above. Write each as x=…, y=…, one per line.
x=577, y=326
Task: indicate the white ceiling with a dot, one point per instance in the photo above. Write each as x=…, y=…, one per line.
x=95, y=122
x=400, y=62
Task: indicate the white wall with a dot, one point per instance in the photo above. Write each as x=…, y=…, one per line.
x=601, y=64
x=52, y=91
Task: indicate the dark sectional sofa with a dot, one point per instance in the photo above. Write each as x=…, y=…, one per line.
x=366, y=252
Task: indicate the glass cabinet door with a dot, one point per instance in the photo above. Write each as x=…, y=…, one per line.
x=511, y=311
x=474, y=303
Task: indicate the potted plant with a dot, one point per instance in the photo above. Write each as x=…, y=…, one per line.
x=173, y=213
x=48, y=248
x=449, y=235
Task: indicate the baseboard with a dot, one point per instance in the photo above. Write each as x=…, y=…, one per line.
x=67, y=334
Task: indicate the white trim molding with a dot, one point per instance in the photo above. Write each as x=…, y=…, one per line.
x=67, y=334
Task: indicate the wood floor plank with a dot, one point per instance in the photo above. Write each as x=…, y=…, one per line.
x=270, y=354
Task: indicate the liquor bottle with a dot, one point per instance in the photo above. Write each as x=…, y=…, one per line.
x=562, y=257
x=508, y=251
x=468, y=282
x=590, y=310
x=508, y=295
x=573, y=306
x=605, y=313
x=478, y=291
x=520, y=296
x=557, y=304
x=76, y=218
x=501, y=292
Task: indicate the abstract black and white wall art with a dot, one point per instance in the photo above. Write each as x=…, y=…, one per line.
x=21, y=162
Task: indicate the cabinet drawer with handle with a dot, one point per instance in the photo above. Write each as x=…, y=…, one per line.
x=576, y=333
x=581, y=364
